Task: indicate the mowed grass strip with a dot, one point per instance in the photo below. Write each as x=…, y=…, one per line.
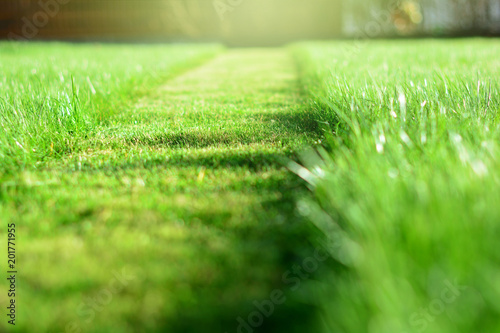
x=408, y=195
x=185, y=191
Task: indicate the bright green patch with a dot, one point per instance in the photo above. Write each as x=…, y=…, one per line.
x=52, y=95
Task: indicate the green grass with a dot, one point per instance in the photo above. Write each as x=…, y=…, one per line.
x=52, y=95
x=407, y=194
x=181, y=184
x=164, y=166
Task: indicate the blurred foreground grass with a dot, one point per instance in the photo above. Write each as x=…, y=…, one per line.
x=408, y=194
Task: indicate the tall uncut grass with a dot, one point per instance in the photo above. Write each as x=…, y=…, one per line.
x=408, y=193
x=52, y=95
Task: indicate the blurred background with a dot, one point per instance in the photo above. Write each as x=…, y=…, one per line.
x=243, y=22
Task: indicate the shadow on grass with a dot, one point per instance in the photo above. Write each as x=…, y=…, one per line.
x=279, y=127
x=276, y=234
x=252, y=161
x=280, y=236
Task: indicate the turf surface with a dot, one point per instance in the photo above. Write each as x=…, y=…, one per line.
x=150, y=191
x=174, y=213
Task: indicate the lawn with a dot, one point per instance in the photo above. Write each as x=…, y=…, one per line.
x=407, y=191
x=150, y=193
x=165, y=188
